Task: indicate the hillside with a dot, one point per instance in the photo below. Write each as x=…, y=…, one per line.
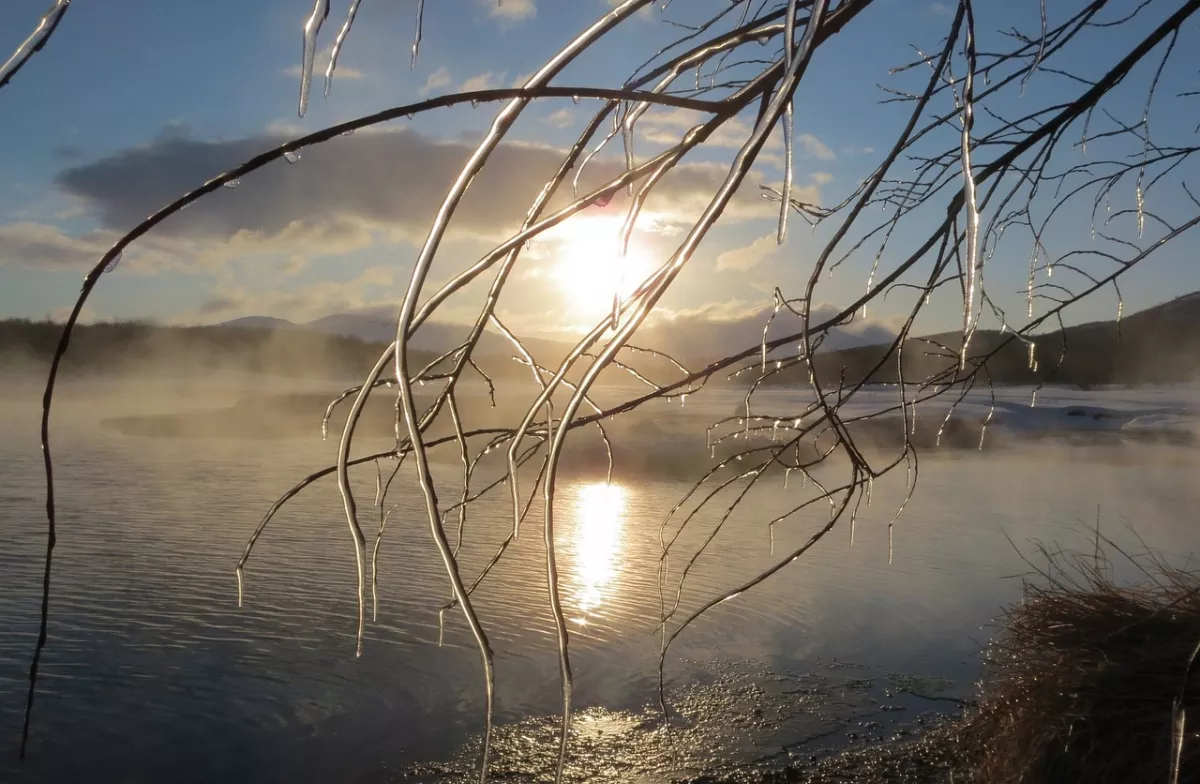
x=1155, y=346
x=140, y=348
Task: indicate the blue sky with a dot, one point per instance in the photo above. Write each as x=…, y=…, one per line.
x=136, y=101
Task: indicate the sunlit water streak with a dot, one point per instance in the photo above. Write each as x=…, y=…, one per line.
x=148, y=648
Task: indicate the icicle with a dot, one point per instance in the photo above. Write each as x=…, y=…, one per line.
x=771, y=531
x=787, y=473
x=1032, y=356
x=778, y=303
x=870, y=488
x=774, y=431
x=337, y=44
x=312, y=26
x=1033, y=399
x=1141, y=212
x=35, y=41
x=112, y=265
x=441, y=625
x=970, y=277
x=683, y=400
x=417, y=35
x=1120, y=310
x=1049, y=270
x=291, y=156
x=785, y=201
x=890, y=544
x=853, y=522
x=238, y=571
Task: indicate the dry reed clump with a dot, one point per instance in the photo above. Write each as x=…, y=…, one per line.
x=1086, y=680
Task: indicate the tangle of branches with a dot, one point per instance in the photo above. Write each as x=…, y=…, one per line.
x=980, y=165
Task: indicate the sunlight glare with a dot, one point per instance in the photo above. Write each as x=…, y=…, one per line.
x=589, y=269
x=599, y=519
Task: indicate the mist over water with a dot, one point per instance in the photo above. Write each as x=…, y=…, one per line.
x=152, y=672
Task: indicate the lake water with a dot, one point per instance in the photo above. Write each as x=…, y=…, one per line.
x=153, y=673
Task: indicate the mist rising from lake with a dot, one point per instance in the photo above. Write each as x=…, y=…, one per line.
x=149, y=651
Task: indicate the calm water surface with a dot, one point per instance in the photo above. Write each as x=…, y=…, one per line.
x=153, y=673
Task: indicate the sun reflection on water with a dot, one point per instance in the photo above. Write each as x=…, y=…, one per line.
x=599, y=520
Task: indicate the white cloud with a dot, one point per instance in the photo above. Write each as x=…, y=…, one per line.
x=822, y=178
x=488, y=80
x=30, y=244
x=668, y=127
x=749, y=256
x=560, y=119
x=321, y=61
x=858, y=150
x=510, y=11
x=813, y=146
x=374, y=286
x=437, y=80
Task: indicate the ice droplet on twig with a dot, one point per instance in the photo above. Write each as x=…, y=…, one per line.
x=232, y=184
x=291, y=156
x=312, y=26
x=112, y=264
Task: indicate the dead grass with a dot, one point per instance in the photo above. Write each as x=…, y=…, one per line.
x=1088, y=679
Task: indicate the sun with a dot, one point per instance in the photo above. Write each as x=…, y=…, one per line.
x=588, y=267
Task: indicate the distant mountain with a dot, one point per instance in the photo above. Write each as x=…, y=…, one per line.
x=701, y=337
x=694, y=339
x=378, y=325
x=259, y=322
x=149, y=349
x=1158, y=345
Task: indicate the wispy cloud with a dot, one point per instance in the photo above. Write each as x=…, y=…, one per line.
x=749, y=256
x=436, y=81
x=811, y=145
x=667, y=127
x=510, y=11
x=305, y=303
x=321, y=61
x=487, y=80
x=561, y=118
